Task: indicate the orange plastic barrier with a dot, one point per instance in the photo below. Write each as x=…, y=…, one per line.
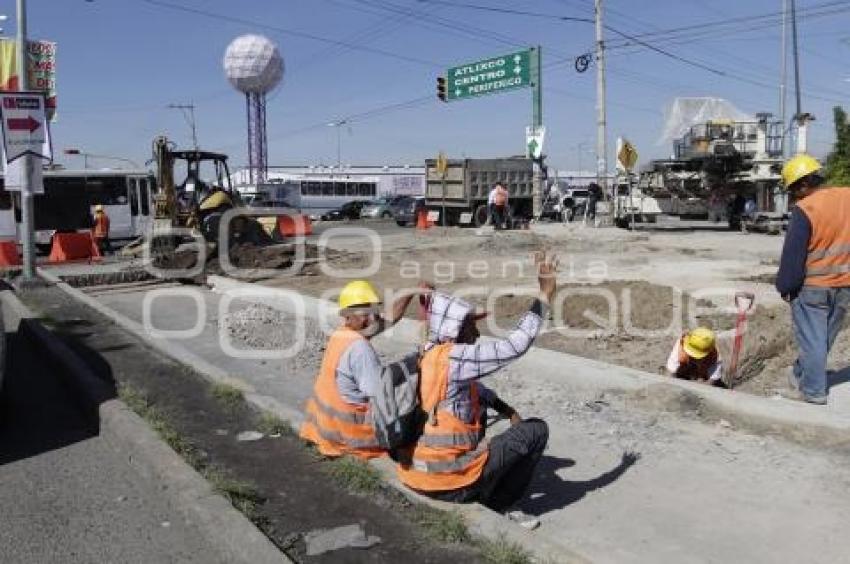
x=9, y=254
x=73, y=246
x=422, y=220
x=291, y=226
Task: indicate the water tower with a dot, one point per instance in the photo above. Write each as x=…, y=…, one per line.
x=254, y=66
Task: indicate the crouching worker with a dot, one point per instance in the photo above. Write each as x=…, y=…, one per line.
x=695, y=357
x=336, y=419
x=452, y=460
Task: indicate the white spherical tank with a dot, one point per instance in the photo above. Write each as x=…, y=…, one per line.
x=253, y=64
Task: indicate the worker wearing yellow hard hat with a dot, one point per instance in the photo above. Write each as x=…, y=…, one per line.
x=814, y=272
x=336, y=415
x=695, y=357
x=100, y=230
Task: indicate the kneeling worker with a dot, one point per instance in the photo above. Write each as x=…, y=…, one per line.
x=452, y=460
x=695, y=357
x=336, y=415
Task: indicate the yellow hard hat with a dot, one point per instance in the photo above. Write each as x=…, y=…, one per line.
x=98, y=208
x=699, y=343
x=797, y=167
x=358, y=293
x=216, y=199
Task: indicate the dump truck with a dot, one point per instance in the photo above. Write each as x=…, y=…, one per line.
x=468, y=183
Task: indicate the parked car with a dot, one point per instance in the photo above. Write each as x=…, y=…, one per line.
x=350, y=210
x=380, y=208
x=573, y=203
x=406, y=209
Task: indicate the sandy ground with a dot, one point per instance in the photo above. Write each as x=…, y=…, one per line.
x=624, y=296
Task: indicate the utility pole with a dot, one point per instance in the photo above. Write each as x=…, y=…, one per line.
x=536, y=125
x=27, y=161
x=188, y=111
x=601, y=121
x=338, y=124
x=784, y=79
x=799, y=113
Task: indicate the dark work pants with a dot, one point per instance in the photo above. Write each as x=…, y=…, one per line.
x=499, y=216
x=509, y=469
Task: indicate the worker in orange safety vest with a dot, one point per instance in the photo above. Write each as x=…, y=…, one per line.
x=336, y=418
x=452, y=460
x=100, y=231
x=814, y=273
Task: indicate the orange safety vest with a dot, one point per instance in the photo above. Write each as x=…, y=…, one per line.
x=101, y=225
x=828, y=262
x=500, y=198
x=334, y=425
x=449, y=455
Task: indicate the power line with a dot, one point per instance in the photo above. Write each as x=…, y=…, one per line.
x=287, y=31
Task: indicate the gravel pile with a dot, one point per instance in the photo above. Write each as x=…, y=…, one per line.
x=262, y=327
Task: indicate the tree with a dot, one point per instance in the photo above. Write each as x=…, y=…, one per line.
x=838, y=161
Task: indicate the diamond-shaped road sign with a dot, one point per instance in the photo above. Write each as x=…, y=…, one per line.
x=25, y=127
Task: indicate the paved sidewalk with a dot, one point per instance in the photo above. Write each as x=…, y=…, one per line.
x=66, y=495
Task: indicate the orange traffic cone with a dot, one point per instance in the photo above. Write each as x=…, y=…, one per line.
x=9, y=254
x=422, y=220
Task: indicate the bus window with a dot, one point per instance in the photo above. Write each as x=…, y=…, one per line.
x=363, y=190
x=350, y=189
x=5, y=200
x=107, y=190
x=339, y=188
x=134, y=198
x=314, y=188
x=144, y=196
x=327, y=188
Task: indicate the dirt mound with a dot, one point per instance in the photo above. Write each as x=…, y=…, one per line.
x=636, y=323
x=252, y=262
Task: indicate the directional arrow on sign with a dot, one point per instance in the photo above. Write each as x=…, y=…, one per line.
x=23, y=124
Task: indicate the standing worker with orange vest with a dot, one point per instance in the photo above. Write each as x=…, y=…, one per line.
x=336, y=418
x=814, y=272
x=100, y=231
x=452, y=460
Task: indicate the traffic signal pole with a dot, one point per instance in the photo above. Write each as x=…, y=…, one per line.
x=537, y=122
x=601, y=118
x=27, y=161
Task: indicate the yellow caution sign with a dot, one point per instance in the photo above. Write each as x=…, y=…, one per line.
x=627, y=155
x=442, y=164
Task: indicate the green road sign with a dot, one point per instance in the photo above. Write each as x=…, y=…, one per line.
x=490, y=76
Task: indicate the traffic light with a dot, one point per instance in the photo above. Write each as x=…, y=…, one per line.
x=441, y=89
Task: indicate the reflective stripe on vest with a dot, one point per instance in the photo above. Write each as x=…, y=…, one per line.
x=334, y=425
x=828, y=260
x=448, y=455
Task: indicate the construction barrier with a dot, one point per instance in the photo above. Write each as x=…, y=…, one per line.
x=292, y=226
x=9, y=254
x=73, y=246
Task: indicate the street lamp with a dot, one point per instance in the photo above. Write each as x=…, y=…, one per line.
x=338, y=124
x=87, y=155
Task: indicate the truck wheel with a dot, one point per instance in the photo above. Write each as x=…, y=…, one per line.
x=481, y=215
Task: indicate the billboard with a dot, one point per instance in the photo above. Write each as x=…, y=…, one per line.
x=41, y=70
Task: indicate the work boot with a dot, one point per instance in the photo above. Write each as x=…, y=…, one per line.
x=797, y=395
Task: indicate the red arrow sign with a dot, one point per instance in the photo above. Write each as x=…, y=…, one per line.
x=22, y=124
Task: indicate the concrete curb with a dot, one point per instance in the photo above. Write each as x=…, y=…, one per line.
x=481, y=520
x=798, y=421
x=225, y=528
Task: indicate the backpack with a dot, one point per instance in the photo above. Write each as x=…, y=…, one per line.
x=397, y=416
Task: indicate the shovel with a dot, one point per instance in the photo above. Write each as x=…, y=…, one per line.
x=743, y=303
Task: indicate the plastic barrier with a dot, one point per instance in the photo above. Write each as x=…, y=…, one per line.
x=291, y=226
x=73, y=246
x=9, y=254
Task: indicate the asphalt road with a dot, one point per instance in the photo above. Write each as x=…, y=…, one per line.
x=65, y=494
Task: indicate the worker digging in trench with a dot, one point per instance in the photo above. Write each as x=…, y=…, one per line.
x=695, y=357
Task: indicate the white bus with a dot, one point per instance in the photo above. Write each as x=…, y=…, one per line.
x=316, y=196
x=69, y=200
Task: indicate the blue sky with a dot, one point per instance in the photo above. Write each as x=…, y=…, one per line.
x=121, y=62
